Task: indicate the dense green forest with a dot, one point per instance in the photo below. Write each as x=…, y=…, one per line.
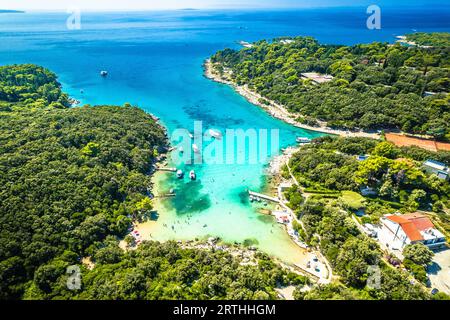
x=70, y=176
x=326, y=169
x=430, y=39
x=164, y=271
x=394, y=173
x=375, y=86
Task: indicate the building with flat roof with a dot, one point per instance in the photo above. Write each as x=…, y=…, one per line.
x=438, y=168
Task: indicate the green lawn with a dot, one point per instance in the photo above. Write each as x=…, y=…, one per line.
x=353, y=200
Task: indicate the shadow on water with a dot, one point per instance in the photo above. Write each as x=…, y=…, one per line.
x=188, y=198
x=243, y=197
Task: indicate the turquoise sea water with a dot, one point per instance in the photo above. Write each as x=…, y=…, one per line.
x=154, y=60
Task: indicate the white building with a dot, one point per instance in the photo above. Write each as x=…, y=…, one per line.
x=438, y=168
x=397, y=231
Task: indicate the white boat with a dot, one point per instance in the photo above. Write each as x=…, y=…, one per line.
x=195, y=148
x=191, y=136
x=103, y=73
x=303, y=140
x=245, y=44
x=180, y=174
x=181, y=149
x=192, y=175
x=215, y=134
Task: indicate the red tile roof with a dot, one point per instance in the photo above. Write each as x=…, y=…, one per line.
x=412, y=224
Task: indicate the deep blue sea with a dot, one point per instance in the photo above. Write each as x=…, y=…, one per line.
x=154, y=60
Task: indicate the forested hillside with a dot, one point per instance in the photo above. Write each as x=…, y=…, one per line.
x=69, y=176
x=374, y=86
x=157, y=271
x=396, y=174
x=329, y=170
x=430, y=39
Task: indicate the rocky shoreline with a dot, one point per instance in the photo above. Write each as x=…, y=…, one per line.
x=278, y=111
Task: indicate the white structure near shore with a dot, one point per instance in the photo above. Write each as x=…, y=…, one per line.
x=438, y=168
x=317, y=77
x=397, y=231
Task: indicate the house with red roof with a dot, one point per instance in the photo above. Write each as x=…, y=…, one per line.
x=399, y=230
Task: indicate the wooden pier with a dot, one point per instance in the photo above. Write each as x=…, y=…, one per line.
x=167, y=169
x=263, y=196
x=167, y=195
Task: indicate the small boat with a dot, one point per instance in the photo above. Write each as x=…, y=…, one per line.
x=215, y=134
x=192, y=175
x=103, y=73
x=181, y=149
x=191, y=136
x=180, y=174
x=245, y=44
x=195, y=148
x=303, y=140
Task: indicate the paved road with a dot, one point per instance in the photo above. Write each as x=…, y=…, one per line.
x=439, y=272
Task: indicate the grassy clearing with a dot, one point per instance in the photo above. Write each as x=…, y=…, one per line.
x=353, y=200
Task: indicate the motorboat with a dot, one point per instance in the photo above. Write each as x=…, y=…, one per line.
x=303, y=140
x=215, y=134
x=195, y=148
x=192, y=175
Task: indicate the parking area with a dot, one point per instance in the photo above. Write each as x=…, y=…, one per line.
x=439, y=271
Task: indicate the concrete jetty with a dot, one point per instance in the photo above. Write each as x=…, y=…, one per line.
x=263, y=196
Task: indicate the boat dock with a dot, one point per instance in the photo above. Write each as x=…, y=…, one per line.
x=263, y=196
x=167, y=195
x=167, y=169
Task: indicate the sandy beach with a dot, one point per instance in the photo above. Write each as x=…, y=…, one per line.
x=278, y=111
